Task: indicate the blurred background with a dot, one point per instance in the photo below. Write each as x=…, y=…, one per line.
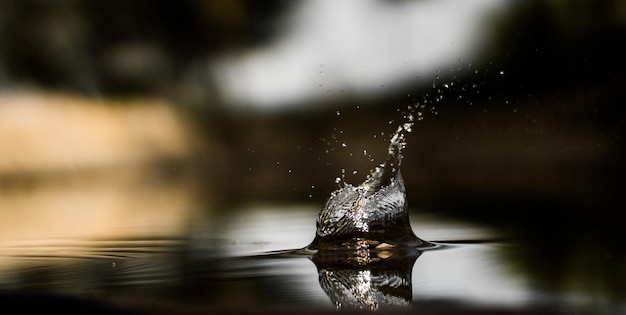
x=134, y=119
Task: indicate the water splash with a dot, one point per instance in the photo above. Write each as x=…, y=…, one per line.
x=374, y=214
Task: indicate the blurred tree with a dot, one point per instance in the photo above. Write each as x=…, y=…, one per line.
x=120, y=46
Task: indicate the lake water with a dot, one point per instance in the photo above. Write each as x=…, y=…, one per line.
x=240, y=263
x=165, y=236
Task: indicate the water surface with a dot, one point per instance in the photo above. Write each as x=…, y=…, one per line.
x=242, y=263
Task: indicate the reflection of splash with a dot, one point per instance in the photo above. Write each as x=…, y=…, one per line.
x=361, y=289
x=366, y=279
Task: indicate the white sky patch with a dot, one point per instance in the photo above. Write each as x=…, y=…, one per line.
x=356, y=46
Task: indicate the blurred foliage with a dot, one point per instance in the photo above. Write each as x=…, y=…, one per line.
x=115, y=47
x=158, y=47
x=540, y=116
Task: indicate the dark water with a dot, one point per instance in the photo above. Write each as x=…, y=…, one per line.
x=242, y=265
x=134, y=244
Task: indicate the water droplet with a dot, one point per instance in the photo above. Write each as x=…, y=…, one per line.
x=337, y=180
x=355, y=172
x=289, y=170
x=338, y=113
x=343, y=145
x=501, y=72
x=364, y=152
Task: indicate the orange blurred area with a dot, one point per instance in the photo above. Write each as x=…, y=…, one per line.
x=74, y=167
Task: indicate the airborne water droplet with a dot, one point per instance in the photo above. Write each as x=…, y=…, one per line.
x=407, y=126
